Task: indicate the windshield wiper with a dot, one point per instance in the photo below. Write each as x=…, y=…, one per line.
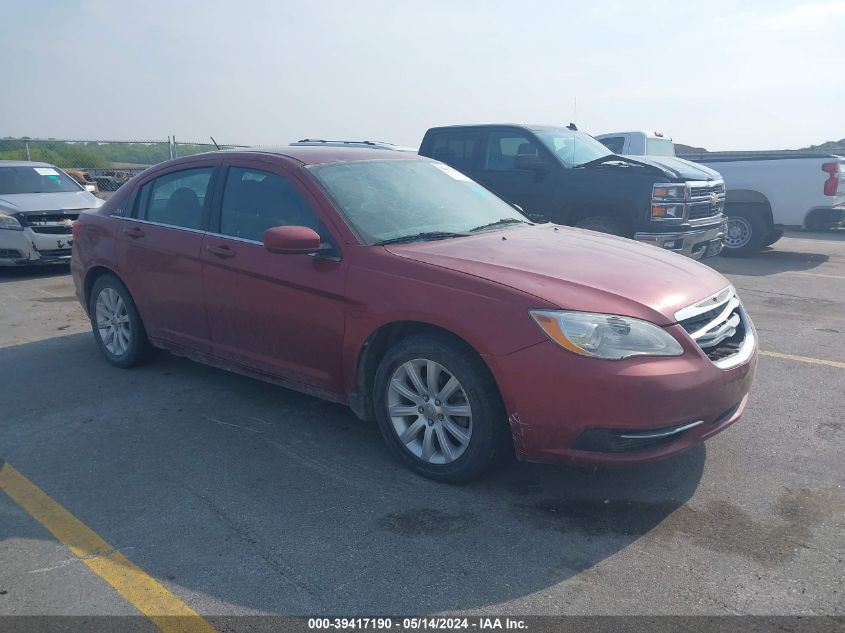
x=501, y=222
x=420, y=237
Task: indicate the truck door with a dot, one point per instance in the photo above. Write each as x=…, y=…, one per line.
x=532, y=190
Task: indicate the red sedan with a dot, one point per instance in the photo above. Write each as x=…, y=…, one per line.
x=396, y=285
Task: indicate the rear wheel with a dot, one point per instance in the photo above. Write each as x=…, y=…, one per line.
x=604, y=224
x=745, y=233
x=438, y=408
x=116, y=323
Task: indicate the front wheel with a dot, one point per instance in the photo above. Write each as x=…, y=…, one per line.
x=745, y=233
x=116, y=323
x=438, y=408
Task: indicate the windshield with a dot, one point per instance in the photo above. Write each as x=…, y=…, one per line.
x=659, y=147
x=35, y=180
x=571, y=147
x=388, y=199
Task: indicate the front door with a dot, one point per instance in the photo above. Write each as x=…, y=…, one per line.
x=533, y=191
x=282, y=315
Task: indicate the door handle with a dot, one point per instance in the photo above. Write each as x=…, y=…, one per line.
x=134, y=232
x=220, y=250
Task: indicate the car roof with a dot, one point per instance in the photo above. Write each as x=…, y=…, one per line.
x=24, y=163
x=318, y=142
x=316, y=155
x=524, y=126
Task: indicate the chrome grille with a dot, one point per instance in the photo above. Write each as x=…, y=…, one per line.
x=707, y=199
x=720, y=327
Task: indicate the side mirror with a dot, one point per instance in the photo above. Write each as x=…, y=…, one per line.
x=91, y=188
x=291, y=240
x=530, y=162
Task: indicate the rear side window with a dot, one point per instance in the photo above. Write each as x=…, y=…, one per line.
x=254, y=201
x=614, y=143
x=457, y=149
x=503, y=147
x=176, y=199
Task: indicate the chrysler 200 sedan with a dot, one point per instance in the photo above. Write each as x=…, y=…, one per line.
x=398, y=286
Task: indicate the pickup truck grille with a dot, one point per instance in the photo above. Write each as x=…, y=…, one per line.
x=706, y=200
x=723, y=331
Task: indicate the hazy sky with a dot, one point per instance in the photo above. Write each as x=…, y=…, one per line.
x=723, y=75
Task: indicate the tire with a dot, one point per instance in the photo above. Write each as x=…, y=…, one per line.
x=746, y=231
x=128, y=345
x=604, y=224
x=484, y=431
x=773, y=236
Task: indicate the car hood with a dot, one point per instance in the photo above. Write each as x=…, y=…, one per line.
x=59, y=201
x=576, y=269
x=680, y=168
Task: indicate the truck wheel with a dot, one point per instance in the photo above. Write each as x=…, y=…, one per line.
x=746, y=232
x=438, y=408
x=773, y=236
x=604, y=224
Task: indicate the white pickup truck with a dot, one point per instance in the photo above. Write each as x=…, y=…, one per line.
x=766, y=191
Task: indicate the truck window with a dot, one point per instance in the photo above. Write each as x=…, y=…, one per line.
x=614, y=143
x=659, y=147
x=454, y=148
x=502, y=148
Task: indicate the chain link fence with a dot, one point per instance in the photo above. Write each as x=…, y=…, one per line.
x=102, y=166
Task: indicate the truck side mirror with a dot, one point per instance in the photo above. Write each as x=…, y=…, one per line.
x=530, y=162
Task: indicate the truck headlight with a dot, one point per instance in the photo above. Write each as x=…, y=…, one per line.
x=606, y=335
x=660, y=211
x=10, y=223
x=670, y=192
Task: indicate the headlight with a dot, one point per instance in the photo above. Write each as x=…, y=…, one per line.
x=660, y=211
x=606, y=335
x=670, y=191
x=9, y=222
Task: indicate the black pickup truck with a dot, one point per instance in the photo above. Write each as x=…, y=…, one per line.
x=561, y=175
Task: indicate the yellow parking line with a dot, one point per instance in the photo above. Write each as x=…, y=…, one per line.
x=805, y=359
x=795, y=272
x=164, y=609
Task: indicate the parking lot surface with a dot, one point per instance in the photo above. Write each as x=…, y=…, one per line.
x=240, y=497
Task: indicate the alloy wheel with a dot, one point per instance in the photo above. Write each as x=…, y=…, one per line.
x=113, y=322
x=430, y=411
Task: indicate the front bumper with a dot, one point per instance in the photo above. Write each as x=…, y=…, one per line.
x=28, y=248
x=558, y=402
x=696, y=244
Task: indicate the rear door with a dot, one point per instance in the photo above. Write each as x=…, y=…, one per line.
x=159, y=253
x=281, y=315
x=458, y=147
x=532, y=190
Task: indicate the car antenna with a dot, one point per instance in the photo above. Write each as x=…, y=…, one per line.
x=213, y=141
x=572, y=127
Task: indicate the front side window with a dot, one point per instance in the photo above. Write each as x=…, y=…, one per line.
x=388, y=199
x=37, y=179
x=255, y=200
x=503, y=148
x=176, y=199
